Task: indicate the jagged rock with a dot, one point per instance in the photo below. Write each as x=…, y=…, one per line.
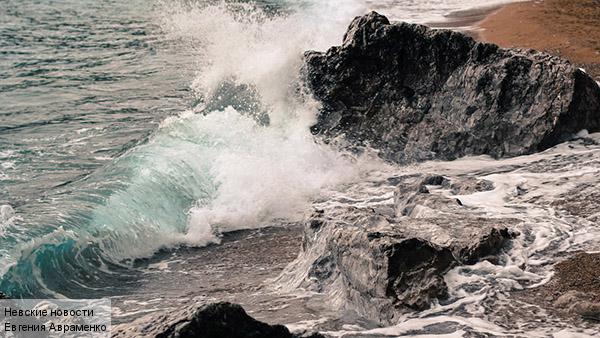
x=229, y=320
x=383, y=261
x=416, y=94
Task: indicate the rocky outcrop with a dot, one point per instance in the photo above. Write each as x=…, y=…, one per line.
x=220, y=320
x=385, y=259
x=415, y=94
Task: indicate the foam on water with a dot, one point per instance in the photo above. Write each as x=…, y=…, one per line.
x=526, y=190
x=269, y=172
x=7, y=215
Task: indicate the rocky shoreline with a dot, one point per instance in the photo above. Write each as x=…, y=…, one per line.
x=384, y=261
x=418, y=94
x=414, y=94
x=220, y=320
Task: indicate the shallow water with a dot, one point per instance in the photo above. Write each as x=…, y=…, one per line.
x=533, y=191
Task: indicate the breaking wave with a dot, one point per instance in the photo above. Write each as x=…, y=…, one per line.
x=243, y=157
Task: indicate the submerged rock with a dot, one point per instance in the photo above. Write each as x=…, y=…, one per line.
x=385, y=260
x=224, y=319
x=416, y=94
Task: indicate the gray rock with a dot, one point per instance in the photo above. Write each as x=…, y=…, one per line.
x=578, y=303
x=382, y=265
x=416, y=94
x=229, y=320
x=471, y=185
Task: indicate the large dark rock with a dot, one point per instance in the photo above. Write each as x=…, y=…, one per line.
x=226, y=320
x=384, y=260
x=416, y=93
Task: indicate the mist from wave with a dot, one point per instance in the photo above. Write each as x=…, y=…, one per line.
x=243, y=157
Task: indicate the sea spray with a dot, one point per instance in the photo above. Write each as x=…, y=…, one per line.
x=204, y=172
x=268, y=172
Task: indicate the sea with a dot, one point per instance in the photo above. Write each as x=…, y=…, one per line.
x=149, y=148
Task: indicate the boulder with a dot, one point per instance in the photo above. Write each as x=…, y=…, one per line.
x=415, y=94
x=382, y=261
x=224, y=319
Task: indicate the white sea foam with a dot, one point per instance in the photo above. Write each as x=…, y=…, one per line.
x=433, y=11
x=265, y=174
x=269, y=172
x=240, y=173
x=243, y=44
x=7, y=215
x=480, y=294
x=250, y=175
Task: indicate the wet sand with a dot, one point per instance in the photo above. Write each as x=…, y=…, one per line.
x=573, y=293
x=567, y=28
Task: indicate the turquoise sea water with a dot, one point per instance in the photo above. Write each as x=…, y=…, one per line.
x=89, y=181
x=129, y=127
x=81, y=83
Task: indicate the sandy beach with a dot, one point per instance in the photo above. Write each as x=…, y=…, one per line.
x=567, y=28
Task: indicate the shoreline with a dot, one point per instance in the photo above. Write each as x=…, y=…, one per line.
x=469, y=21
x=563, y=29
x=569, y=29
x=466, y=21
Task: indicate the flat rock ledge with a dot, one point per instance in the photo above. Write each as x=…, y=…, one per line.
x=219, y=320
x=384, y=260
x=415, y=94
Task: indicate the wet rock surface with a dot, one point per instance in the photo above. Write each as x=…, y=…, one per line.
x=224, y=319
x=387, y=259
x=415, y=94
x=435, y=235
